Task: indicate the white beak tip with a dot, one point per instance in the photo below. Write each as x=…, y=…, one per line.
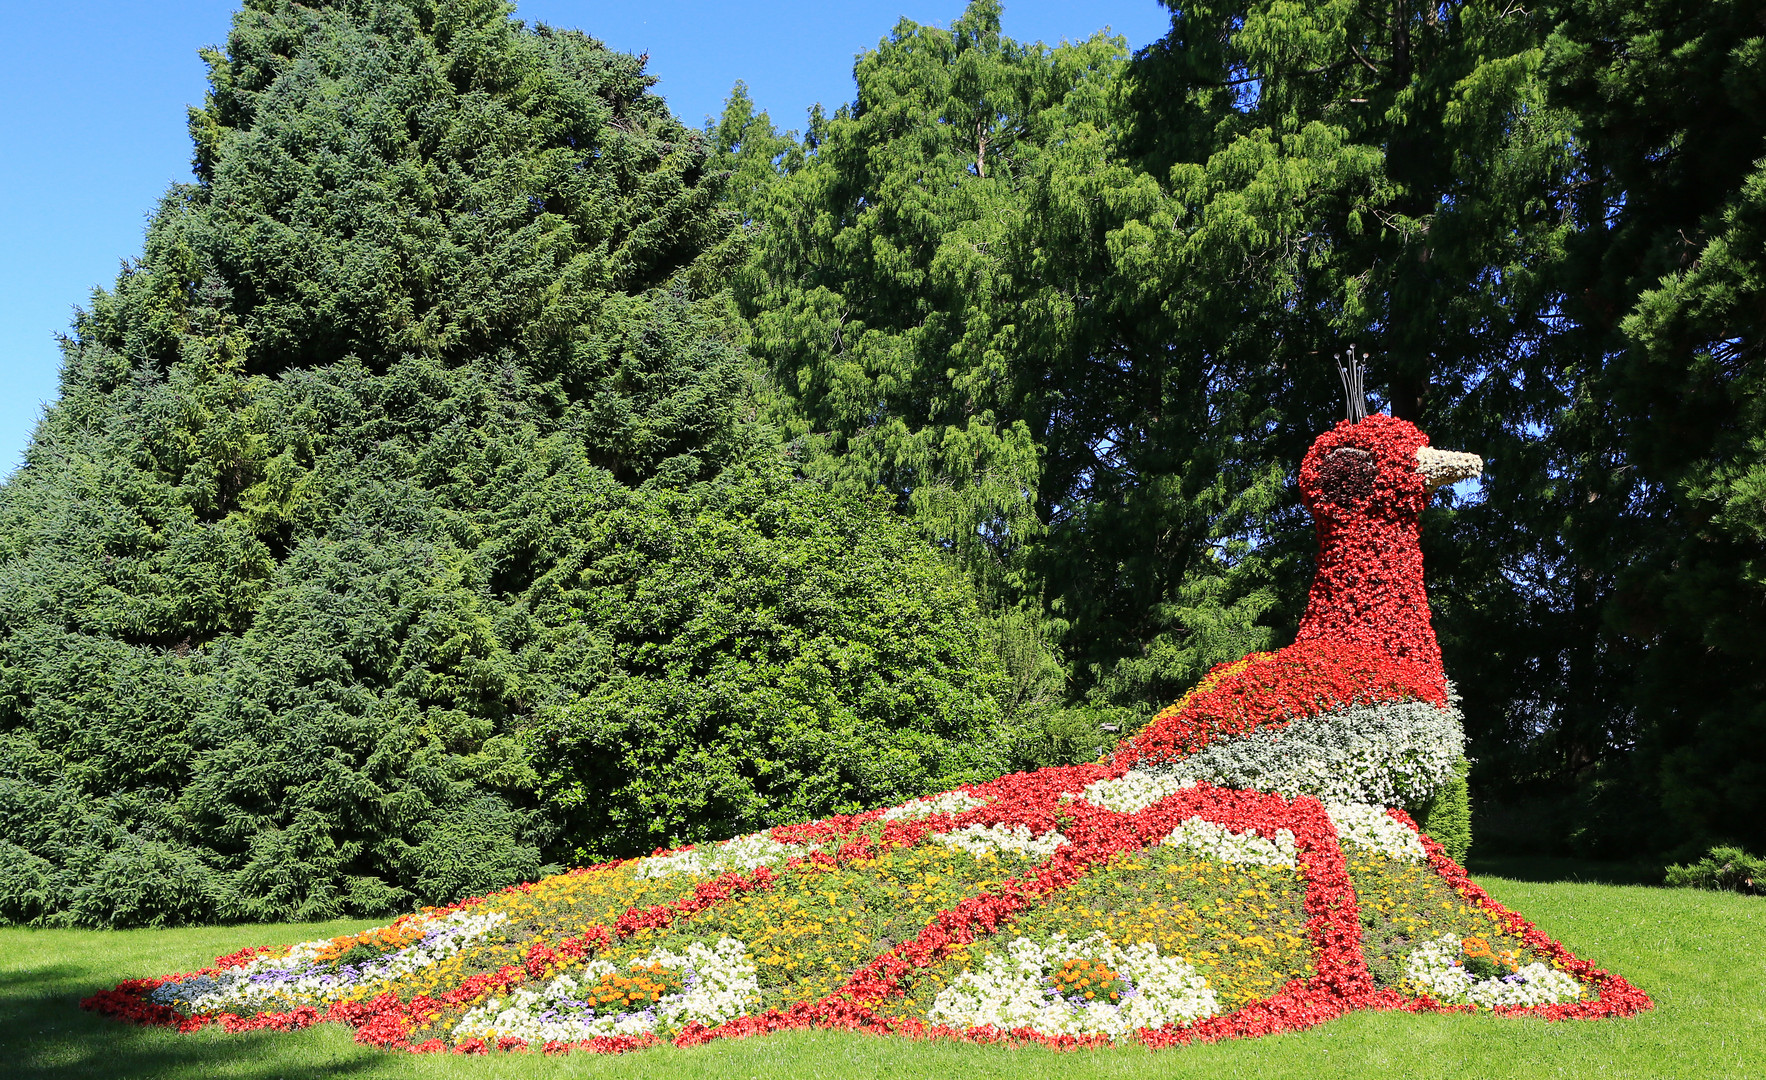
x=1443, y=467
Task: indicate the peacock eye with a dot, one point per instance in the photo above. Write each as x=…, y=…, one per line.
x=1347, y=475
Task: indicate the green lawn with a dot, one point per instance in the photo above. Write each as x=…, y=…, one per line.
x=1701, y=955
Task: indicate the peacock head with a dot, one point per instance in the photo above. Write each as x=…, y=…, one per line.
x=1378, y=468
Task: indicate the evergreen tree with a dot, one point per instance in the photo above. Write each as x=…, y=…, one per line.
x=1138, y=301
x=945, y=295
x=376, y=461
x=879, y=284
x=1663, y=290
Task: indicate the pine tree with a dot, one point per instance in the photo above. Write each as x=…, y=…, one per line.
x=1664, y=287
x=327, y=530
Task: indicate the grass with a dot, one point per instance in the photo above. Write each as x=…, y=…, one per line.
x=1700, y=955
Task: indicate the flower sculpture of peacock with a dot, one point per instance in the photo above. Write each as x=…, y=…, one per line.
x=1247, y=864
x=1358, y=708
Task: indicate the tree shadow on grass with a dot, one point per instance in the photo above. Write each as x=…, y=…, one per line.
x=45, y=1035
x=1552, y=868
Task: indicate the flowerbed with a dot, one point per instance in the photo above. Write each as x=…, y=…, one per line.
x=1149, y=899
x=1206, y=914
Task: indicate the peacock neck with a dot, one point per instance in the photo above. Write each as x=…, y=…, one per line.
x=1369, y=590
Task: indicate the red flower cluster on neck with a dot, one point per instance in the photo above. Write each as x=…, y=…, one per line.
x=1365, y=637
x=1361, y=483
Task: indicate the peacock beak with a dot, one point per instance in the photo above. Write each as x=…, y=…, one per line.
x=1443, y=467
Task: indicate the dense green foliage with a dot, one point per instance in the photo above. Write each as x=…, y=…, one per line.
x=404, y=434
x=1665, y=288
x=1077, y=310
x=1447, y=817
x=758, y=651
x=953, y=292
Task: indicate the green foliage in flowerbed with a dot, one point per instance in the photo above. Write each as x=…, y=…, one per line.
x=403, y=528
x=1447, y=816
x=1403, y=905
x=805, y=935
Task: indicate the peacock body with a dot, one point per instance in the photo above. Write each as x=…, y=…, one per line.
x=1244, y=865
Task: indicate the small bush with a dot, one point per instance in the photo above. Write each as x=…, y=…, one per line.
x=24, y=883
x=473, y=850
x=1447, y=816
x=1726, y=868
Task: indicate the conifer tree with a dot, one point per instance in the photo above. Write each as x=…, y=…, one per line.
x=367, y=492
x=1122, y=329
x=1663, y=287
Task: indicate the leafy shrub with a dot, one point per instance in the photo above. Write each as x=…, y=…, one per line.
x=144, y=883
x=24, y=883
x=762, y=651
x=473, y=850
x=1727, y=868
x=1447, y=816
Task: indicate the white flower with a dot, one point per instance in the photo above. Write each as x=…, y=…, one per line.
x=1012, y=991
x=719, y=983
x=742, y=853
x=988, y=839
x=282, y=981
x=1372, y=829
x=1135, y=790
x=1434, y=968
x=1219, y=842
x=951, y=802
x=1391, y=755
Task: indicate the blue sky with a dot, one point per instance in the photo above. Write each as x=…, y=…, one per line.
x=93, y=93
